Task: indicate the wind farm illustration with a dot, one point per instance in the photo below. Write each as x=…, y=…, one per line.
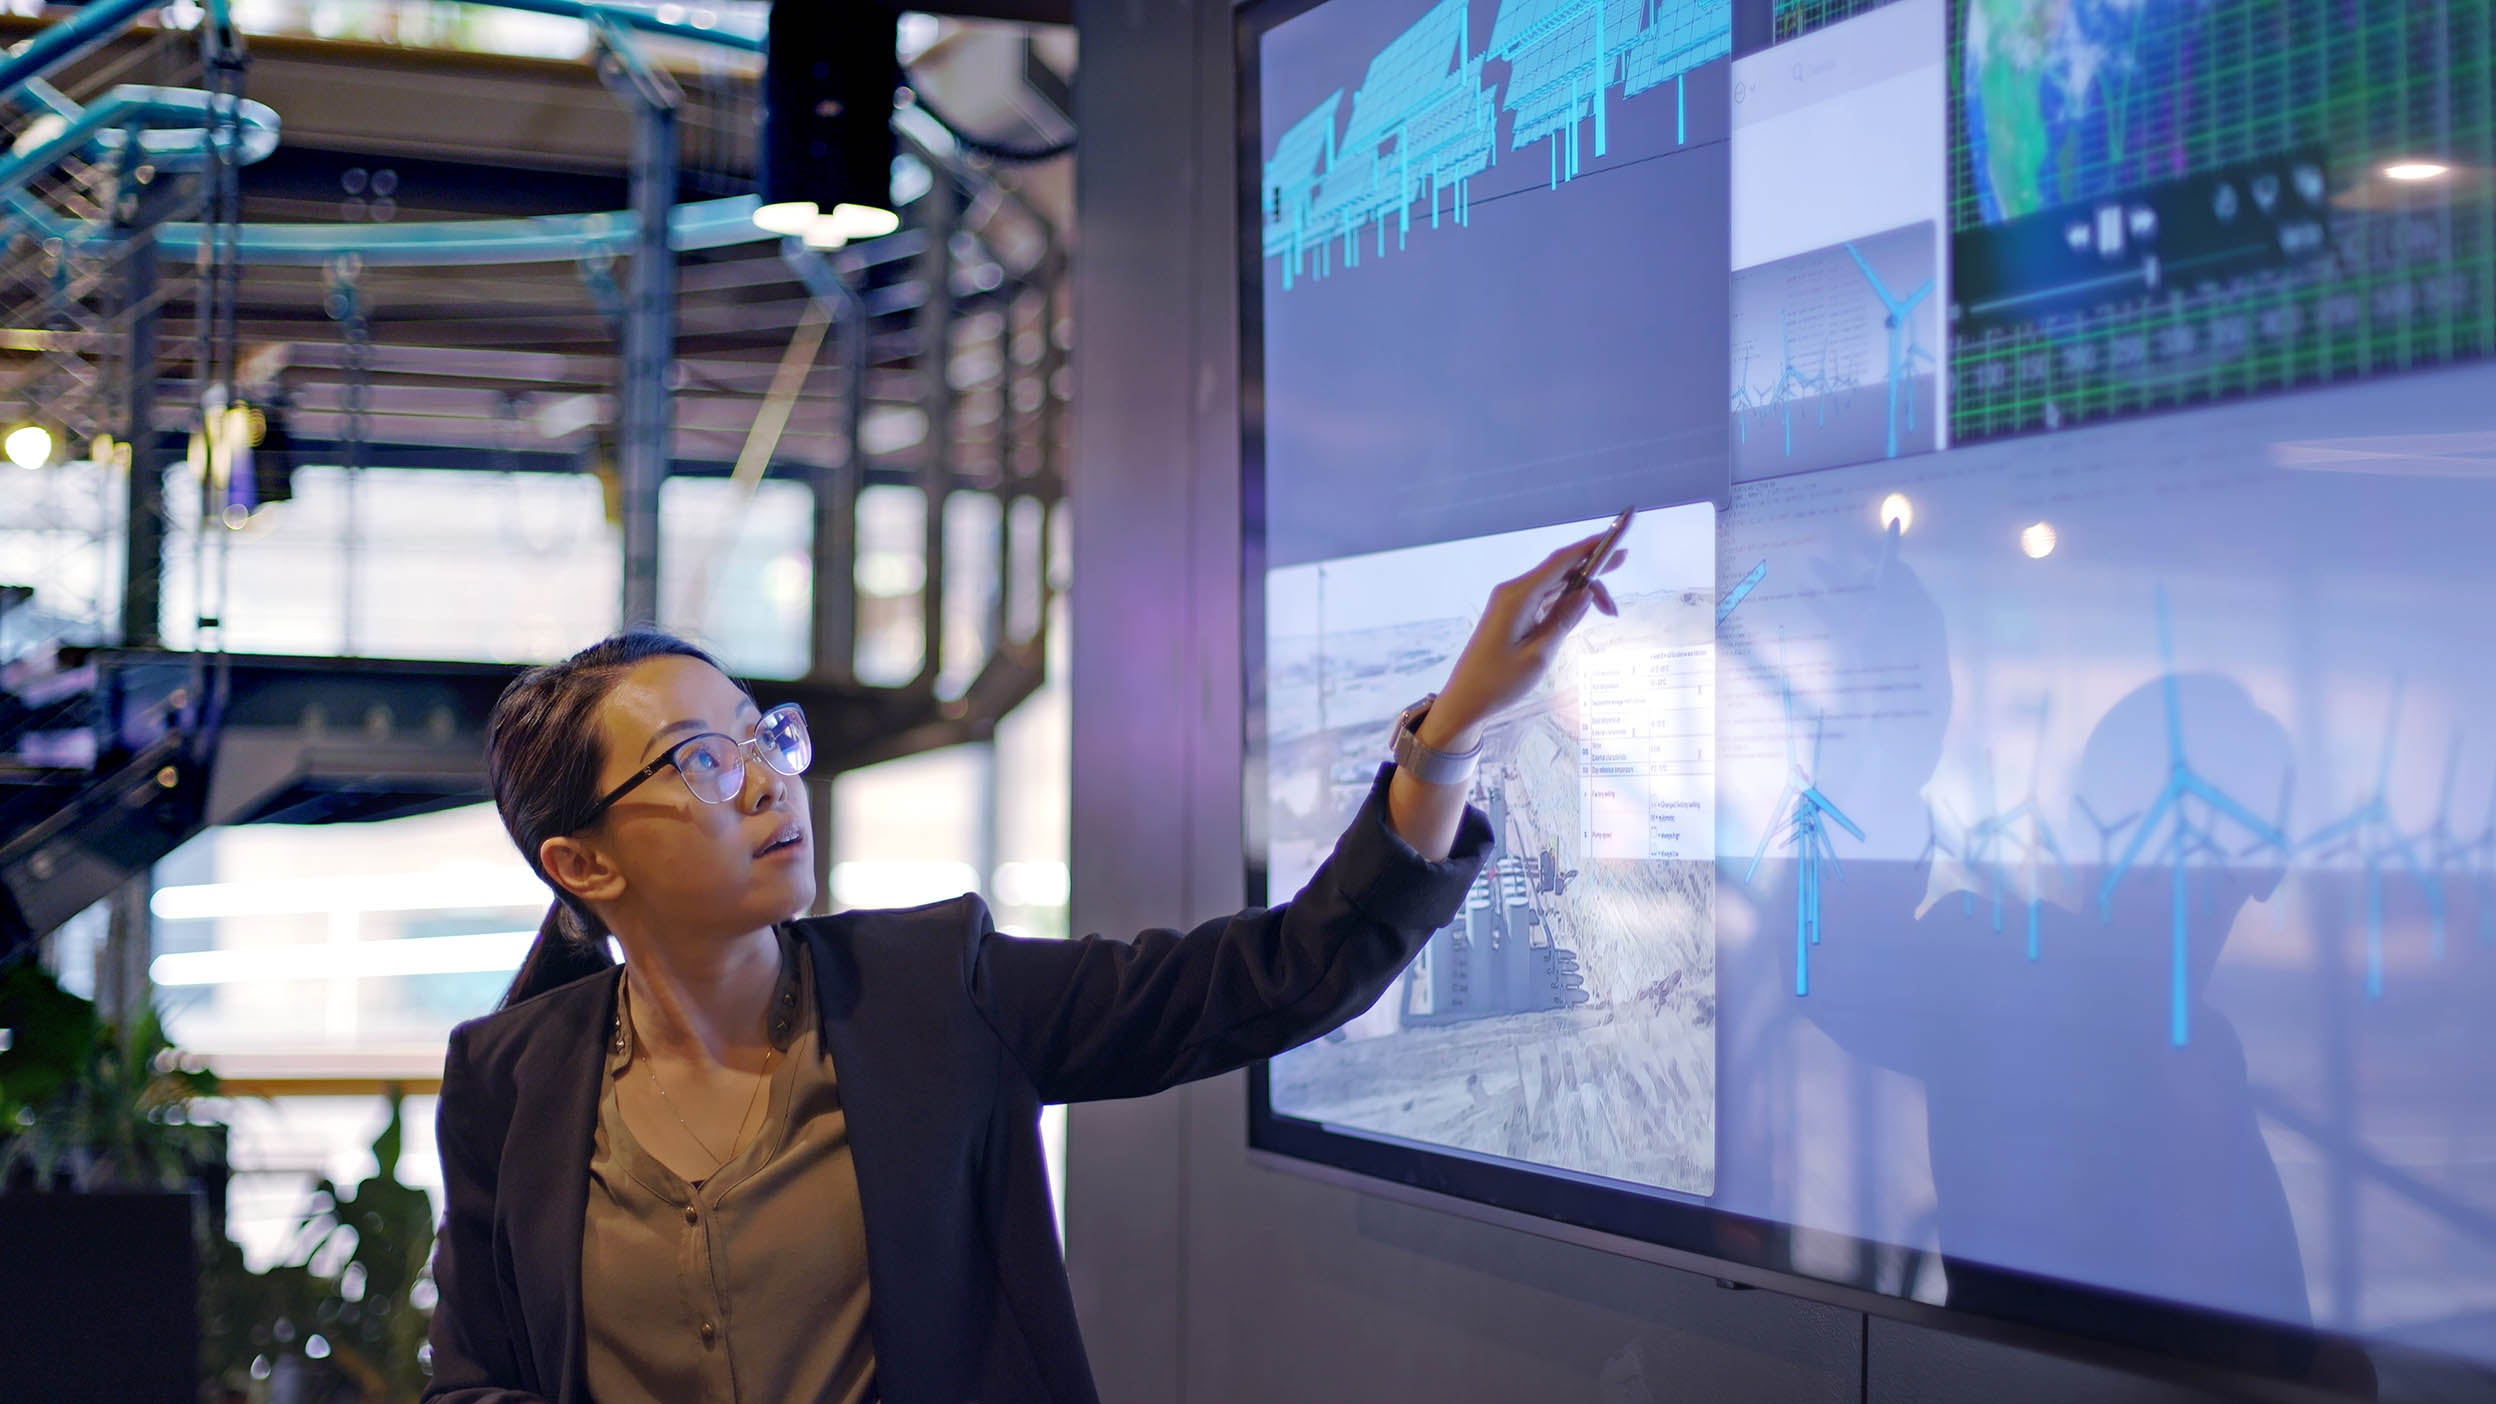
x=2012, y=855
x=2187, y=833
x=1802, y=815
x=1834, y=355
x=2018, y=838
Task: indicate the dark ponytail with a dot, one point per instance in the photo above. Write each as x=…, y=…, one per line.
x=568, y=947
x=543, y=755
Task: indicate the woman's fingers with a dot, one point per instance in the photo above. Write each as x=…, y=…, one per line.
x=1559, y=561
x=1519, y=604
x=1542, y=601
x=1564, y=616
x=1556, y=566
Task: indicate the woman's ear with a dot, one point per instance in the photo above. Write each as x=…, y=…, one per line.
x=580, y=869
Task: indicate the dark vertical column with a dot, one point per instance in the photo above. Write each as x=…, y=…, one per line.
x=935, y=356
x=836, y=500
x=122, y=989
x=1135, y=694
x=833, y=656
x=819, y=813
x=136, y=216
x=649, y=354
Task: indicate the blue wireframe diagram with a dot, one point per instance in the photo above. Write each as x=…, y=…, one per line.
x=2371, y=831
x=1306, y=149
x=2018, y=837
x=2186, y=835
x=1801, y=816
x=1741, y=591
x=1903, y=347
x=1424, y=121
x=1420, y=118
x=1564, y=56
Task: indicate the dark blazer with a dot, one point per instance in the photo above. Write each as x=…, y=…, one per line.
x=946, y=1037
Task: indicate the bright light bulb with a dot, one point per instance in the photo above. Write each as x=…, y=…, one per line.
x=2416, y=170
x=1897, y=511
x=864, y=221
x=29, y=446
x=789, y=217
x=2037, y=540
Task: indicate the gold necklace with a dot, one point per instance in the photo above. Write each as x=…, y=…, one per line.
x=652, y=1062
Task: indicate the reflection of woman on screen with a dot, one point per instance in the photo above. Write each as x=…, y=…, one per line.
x=2084, y=1137
x=799, y=1159
x=2067, y=1135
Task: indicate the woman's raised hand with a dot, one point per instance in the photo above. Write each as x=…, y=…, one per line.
x=1512, y=648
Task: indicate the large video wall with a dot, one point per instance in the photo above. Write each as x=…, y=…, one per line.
x=2028, y=845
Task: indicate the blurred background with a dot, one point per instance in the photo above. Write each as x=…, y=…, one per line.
x=356, y=353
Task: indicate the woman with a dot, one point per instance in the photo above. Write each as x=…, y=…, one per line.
x=795, y=1160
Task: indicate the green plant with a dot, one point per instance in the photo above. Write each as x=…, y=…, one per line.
x=86, y=1105
x=347, y=1313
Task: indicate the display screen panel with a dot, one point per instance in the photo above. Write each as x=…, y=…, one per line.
x=1567, y=1019
x=2026, y=855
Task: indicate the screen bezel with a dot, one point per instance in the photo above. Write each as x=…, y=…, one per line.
x=2165, y=1339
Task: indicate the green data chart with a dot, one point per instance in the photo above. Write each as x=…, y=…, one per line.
x=1796, y=18
x=2165, y=202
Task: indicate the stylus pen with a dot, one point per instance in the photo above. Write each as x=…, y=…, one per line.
x=1582, y=574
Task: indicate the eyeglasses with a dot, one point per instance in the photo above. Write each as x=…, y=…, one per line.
x=713, y=766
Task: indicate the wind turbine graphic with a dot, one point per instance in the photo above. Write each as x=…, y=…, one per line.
x=1806, y=385
x=1902, y=347
x=1742, y=398
x=2184, y=837
x=2106, y=830
x=1802, y=815
x=2376, y=837
x=2475, y=855
x=2021, y=828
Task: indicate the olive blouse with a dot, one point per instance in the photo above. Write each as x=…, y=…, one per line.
x=750, y=1285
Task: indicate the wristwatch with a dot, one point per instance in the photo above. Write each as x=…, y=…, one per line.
x=1430, y=766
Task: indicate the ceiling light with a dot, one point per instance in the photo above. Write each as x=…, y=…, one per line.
x=848, y=222
x=29, y=446
x=2416, y=170
x=829, y=75
x=786, y=217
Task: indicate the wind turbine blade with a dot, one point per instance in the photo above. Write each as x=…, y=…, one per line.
x=2226, y=804
x=1822, y=802
x=2391, y=735
x=2140, y=839
x=2166, y=682
x=1769, y=835
x=2334, y=832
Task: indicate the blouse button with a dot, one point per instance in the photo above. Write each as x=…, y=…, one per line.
x=692, y=1215
x=709, y=1333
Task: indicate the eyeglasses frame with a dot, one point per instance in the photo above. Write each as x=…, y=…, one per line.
x=748, y=751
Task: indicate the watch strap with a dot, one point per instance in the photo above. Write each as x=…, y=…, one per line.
x=1427, y=763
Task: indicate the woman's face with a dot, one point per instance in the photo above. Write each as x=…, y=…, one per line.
x=666, y=859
